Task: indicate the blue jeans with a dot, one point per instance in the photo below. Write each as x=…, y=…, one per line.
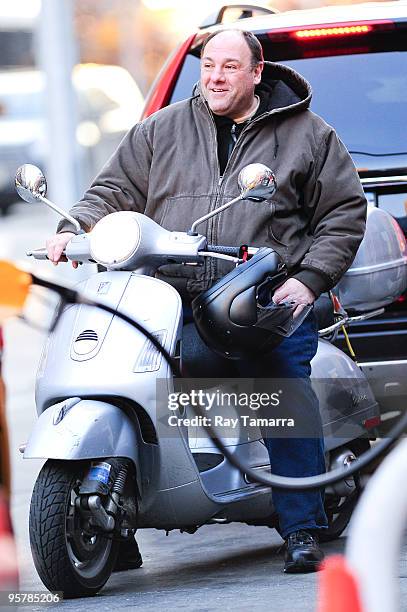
x=296, y=457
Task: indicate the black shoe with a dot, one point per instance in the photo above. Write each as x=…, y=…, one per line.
x=303, y=553
x=129, y=556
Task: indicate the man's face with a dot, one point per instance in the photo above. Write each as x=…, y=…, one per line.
x=227, y=76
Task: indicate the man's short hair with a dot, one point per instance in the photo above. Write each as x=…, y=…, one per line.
x=255, y=47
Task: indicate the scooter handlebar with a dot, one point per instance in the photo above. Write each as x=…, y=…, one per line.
x=224, y=250
x=233, y=251
x=77, y=249
x=38, y=253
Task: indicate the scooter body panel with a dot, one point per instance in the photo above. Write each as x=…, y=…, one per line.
x=78, y=429
x=346, y=400
x=94, y=353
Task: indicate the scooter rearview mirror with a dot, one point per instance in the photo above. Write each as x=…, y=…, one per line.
x=257, y=182
x=14, y=288
x=30, y=183
x=31, y=186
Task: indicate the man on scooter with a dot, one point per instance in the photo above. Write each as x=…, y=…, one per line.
x=183, y=161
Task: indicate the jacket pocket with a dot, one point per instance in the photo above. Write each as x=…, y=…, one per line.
x=275, y=225
x=179, y=212
x=276, y=232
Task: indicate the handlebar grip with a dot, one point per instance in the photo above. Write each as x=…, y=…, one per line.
x=224, y=250
x=38, y=253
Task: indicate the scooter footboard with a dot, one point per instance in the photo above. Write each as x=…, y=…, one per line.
x=83, y=429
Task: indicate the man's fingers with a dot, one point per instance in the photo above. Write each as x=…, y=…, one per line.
x=56, y=246
x=298, y=310
x=52, y=255
x=294, y=291
x=57, y=253
x=280, y=295
x=53, y=251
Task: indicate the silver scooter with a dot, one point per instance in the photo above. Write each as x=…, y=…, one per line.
x=114, y=464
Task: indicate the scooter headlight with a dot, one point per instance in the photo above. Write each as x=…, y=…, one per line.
x=115, y=238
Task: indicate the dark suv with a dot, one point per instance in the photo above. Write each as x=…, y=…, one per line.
x=355, y=58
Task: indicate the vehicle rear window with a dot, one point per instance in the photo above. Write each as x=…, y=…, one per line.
x=363, y=96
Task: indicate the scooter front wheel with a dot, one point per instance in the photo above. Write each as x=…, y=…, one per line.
x=68, y=556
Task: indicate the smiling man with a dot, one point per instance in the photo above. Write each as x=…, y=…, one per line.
x=183, y=161
x=228, y=79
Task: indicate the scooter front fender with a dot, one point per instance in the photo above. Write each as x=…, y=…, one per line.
x=78, y=428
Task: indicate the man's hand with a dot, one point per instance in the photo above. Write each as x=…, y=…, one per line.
x=294, y=290
x=56, y=246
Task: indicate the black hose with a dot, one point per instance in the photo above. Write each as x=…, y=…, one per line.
x=310, y=482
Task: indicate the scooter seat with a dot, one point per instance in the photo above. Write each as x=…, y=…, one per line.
x=324, y=311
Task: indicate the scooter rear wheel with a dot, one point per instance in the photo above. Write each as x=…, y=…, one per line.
x=67, y=556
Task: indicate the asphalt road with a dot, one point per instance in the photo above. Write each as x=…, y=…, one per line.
x=231, y=567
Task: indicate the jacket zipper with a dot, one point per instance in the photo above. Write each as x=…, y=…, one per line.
x=211, y=222
x=211, y=262
x=235, y=148
x=230, y=160
x=221, y=178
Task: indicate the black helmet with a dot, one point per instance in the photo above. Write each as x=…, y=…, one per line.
x=237, y=317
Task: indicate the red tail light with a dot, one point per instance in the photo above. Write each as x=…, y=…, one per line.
x=372, y=422
x=336, y=303
x=338, y=30
x=161, y=90
x=332, y=31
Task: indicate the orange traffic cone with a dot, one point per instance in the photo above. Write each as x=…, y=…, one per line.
x=8, y=554
x=337, y=587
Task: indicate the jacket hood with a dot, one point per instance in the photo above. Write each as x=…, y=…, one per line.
x=286, y=89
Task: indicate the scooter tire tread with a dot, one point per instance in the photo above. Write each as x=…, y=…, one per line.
x=47, y=533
